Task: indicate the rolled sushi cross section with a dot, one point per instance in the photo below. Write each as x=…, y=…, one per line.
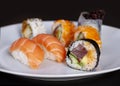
x=32, y=27
x=83, y=55
x=88, y=32
x=93, y=18
x=64, y=30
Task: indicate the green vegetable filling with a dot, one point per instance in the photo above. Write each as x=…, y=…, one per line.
x=59, y=33
x=80, y=36
x=74, y=60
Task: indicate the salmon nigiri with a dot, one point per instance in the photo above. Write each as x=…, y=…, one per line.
x=27, y=52
x=53, y=48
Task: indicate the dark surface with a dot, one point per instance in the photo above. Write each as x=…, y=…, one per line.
x=16, y=11
x=109, y=79
x=13, y=12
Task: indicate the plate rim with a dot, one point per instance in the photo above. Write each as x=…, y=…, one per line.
x=60, y=76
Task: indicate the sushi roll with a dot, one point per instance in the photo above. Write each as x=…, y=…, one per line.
x=63, y=30
x=88, y=32
x=27, y=52
x=53, y=48
x=83, y=55
x=32, y=27
x=93, y=18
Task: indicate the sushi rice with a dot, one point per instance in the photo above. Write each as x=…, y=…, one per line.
x=89, y=61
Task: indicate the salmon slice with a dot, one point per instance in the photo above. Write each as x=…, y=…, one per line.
x=53, y=48
x=29, y=50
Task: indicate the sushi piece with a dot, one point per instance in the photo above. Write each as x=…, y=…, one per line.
x=53, y=48
x=94, y=18
x=64, y=31
x=32, y=27
x=83, y=55
x=88, y=32
x=27, y=52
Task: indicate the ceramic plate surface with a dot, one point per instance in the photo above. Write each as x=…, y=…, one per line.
x=53, y=71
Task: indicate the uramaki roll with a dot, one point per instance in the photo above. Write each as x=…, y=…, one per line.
x=64, y=31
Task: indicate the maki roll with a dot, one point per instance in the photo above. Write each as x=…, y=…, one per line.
x=64, y=30
x=83, y=55
x=87, y=32
x=32, y=27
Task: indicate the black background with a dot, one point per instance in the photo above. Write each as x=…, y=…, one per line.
x=16, y=11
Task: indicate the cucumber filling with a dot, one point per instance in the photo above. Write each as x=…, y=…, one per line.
x=80, y=36
x=74, y=60
x=59, y=32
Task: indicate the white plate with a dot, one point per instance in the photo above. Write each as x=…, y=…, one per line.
x=53, y=71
